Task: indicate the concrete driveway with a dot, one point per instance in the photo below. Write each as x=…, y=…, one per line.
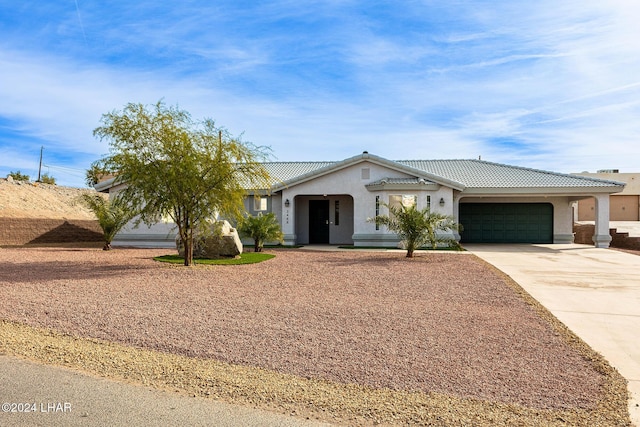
x=595, y=292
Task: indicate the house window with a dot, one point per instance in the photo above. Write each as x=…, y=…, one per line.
x=399, y=200
x=259, y=203
x=429, y=203
x=377, y=211
x=336, y=220
x=365, y=173
x=405, y=200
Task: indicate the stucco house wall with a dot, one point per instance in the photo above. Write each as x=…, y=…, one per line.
x=345, y=182
x=357, y=203
x=159, y=235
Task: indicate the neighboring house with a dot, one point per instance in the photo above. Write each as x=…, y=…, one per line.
x=624, y=206
x=330, y=202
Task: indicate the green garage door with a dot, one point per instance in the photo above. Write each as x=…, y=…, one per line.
x=506, y=222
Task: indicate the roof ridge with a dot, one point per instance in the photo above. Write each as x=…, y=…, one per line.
x=434, y=160
x=303, y=161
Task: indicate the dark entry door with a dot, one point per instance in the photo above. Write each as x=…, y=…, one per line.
x=318, y=221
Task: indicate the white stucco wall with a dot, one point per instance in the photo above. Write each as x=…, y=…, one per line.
x=160, y=235
x=349, y=185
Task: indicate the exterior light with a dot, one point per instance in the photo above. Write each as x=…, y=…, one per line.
x=441, y=201
x=287, y=203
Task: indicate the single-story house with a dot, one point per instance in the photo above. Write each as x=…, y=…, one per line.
x=330, y=202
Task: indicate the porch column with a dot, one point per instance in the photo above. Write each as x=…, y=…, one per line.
x=562, y=221
x=602, y=238
x=288, y=220
x=456, y=213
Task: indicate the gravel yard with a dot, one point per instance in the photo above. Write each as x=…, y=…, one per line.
x=443, y=323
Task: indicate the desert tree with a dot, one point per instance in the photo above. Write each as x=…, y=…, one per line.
x=172, y=166
x=112, y=214
x=261, y=228
x=417, y=227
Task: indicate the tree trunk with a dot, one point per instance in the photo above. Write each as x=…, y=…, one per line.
x=411, y=246
x=257, y=247
x=188, y=249
x=107, y=246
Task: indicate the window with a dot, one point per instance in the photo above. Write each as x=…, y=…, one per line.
x=259, y=203
x=405, y=200
x=429, y=202
x=336, y=220
x=365, y=173
x=400, y=200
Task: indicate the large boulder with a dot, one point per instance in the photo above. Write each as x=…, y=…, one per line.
x=219, y=240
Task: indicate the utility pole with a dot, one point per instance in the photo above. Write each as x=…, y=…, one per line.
x=40, y=167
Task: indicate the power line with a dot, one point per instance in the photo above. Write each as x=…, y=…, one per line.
x=67, y=170
x=64, y=168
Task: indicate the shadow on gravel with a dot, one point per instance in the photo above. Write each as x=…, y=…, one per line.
x=357, y=260
x=63, y=270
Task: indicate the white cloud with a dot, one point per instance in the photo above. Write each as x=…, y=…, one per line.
x=560, y=80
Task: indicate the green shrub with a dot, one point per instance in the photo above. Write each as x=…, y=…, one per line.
x=17, y=176
x=47, y=179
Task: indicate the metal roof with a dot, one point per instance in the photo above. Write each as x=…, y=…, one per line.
x=287, y=171
x=472, y=175
x=469, y=173
x=483, y=174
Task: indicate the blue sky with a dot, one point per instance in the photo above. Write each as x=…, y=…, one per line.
x=553, y=85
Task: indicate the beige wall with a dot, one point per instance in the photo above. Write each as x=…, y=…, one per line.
x=624, y=206
x=631, y=179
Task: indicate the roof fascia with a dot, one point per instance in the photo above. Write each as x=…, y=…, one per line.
x=104, y=186
x=556, y=191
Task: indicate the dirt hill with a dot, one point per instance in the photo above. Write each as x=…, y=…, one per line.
x=38, y=200
x=36, y=213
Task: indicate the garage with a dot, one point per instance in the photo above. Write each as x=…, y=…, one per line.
x=506, y=222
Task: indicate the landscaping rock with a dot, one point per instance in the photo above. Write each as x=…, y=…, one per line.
x=218, y=241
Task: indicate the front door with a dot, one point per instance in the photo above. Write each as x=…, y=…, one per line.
x=318, y=221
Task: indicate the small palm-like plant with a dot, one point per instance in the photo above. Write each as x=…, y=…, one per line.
x=417, y=228
x=261, y=228
x=112, y=214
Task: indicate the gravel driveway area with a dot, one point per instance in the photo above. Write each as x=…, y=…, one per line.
x=444, y=323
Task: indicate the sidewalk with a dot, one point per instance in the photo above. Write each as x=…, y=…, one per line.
x=595, y=292
x=62, y=397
